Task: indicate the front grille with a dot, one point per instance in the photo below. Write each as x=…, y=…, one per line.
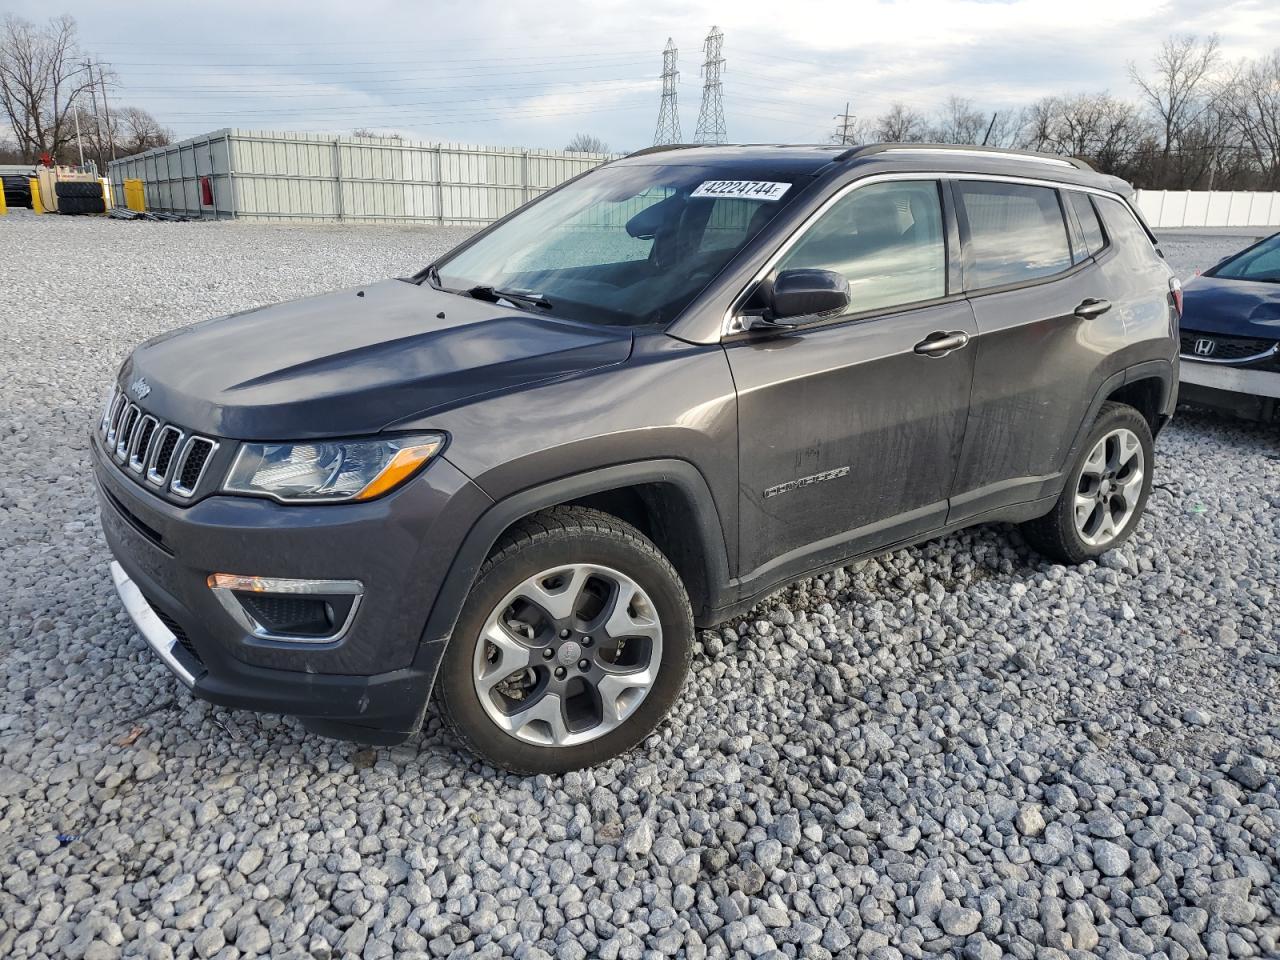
x=1223, y=347
x=161, y=455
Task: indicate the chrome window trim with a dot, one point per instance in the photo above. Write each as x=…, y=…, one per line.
x=227, y=598
x=181, y=490
x=158, y=479
x=1232, y=363
x=731, y=322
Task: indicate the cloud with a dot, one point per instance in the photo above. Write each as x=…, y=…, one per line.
x=533, y=74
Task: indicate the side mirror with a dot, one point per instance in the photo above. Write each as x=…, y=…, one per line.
x=803, y=296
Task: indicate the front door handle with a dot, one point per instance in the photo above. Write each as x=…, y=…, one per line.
x=1092, y=307
x=940, y=344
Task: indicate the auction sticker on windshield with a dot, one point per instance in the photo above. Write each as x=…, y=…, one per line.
x=744, y=189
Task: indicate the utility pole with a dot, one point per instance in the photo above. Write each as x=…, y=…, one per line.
x=97, y=118
x=711, y=114
x=107, y=111
x=845, y=133
x=668, y=130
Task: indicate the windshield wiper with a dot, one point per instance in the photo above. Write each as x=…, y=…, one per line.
x=493, y=295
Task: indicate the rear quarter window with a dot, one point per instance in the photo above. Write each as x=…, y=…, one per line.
x=1125, y=231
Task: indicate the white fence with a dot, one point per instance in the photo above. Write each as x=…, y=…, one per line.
x=300, y=176
x=1209, y=208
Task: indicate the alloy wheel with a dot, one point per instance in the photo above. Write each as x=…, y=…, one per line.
x=1109, y=488
x=568, y=655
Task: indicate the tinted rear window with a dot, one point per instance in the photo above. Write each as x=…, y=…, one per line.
x=1124, y=229
x=1015, y=233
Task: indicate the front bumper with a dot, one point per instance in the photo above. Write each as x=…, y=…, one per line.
x=372, y=683
x=1249, y=392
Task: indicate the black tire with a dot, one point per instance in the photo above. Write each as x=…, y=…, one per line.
x=564, y=535
x=77, y=188
x=1055, y=535
x=78, y=205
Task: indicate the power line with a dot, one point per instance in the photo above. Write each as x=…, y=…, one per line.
x=668, y=129
x=711, y=128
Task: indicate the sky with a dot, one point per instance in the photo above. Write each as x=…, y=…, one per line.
x=534, y=74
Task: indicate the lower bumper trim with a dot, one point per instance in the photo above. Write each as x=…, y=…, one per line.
x=1258, y=383
x=159, y=637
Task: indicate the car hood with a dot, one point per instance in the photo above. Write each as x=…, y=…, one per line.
x=1239, y=308
x=352, y=362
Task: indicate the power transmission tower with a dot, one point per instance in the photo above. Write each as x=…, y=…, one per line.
x=845, y=133
x=711, y=113
x=668, y=130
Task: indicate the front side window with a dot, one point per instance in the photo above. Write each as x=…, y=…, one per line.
x=1015, y=233
x=626, y=245
x=1260, y=263
x=887, y=241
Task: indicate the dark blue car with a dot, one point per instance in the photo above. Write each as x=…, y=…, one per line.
x=1231, y=334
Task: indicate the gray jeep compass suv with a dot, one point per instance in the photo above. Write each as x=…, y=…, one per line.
x=635, y=406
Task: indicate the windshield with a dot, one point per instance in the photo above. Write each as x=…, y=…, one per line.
x=625, y=245
x=1260, y=262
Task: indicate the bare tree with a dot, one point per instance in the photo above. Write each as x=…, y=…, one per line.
x=1179, y=87
x=42, y=77
x=366, y=132
x=901, y=124
x=139, y=131
x=586, y=143
x=959, y=122
x=1252, y=102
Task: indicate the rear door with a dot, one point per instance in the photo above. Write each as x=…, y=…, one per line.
x=848, y=433
x=1031, y=269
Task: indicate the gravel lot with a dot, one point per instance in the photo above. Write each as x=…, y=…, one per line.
x=958, y=749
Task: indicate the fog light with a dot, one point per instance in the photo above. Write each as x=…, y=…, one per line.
x=289, y=610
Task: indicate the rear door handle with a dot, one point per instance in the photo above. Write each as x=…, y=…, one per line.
x=1092, y=307
x=940, y=344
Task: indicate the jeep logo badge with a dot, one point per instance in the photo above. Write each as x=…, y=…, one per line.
x=1205, y=347
x=140, y=388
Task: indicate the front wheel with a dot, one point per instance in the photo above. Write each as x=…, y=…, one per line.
x=1106, y=491
x=572, y=646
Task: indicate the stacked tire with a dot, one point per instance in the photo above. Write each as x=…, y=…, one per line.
x=79, y=196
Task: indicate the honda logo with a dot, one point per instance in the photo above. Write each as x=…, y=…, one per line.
x=1205, y=347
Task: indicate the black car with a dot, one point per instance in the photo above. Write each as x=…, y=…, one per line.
x=639, y=404
x=1231, y=334
x=17, y=189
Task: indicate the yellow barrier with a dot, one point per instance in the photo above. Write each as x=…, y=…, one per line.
x=135, y=197
x=3, y=206
x=36, y=205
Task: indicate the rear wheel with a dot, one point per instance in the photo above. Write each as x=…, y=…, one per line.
x=1106, y=492
x=572, y=646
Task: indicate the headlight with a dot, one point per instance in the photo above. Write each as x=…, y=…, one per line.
x=329, y=470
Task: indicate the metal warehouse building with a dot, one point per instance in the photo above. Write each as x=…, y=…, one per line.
x=302, y=176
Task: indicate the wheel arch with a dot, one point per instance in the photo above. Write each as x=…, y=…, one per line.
x=667, y=500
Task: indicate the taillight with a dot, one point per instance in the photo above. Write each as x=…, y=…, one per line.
x=1175, y=291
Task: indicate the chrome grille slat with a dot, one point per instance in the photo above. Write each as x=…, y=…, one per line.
x=163, y=456
x=140, y=443
x=124, y=430
x=155, y=474
x=189, y=449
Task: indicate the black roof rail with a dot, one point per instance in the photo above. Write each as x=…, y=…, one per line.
x=661, y=147
x=871, y=149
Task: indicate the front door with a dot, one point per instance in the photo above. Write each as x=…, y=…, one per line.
x=850, y=429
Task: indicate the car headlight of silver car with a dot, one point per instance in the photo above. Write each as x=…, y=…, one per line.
x=330, y=471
